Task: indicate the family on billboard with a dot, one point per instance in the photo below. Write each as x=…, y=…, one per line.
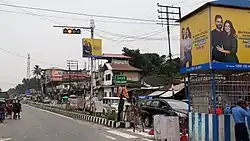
x=224, y=41
x=186, y=47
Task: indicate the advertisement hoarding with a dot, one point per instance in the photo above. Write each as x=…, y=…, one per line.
x=56, y=75
x=91, y=47
x=230, y=38
x=195, y=40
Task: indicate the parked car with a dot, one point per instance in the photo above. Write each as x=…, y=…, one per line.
x=46, y=100
x=110, y=104
x=168, y=107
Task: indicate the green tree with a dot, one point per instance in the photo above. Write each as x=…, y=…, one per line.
x=37, y=71
x=153, y=64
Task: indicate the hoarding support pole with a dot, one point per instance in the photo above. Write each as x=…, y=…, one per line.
x=92, y=26
x=215, y=116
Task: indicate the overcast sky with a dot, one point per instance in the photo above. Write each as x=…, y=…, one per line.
x=22, y=33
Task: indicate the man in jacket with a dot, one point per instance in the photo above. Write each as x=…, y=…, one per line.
x=240, y=113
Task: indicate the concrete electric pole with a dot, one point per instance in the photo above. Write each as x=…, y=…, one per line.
x=171, y=15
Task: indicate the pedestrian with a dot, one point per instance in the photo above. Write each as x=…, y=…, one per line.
x=9, y=108
x=14, y=109
x=240, y=113
x=19, y=109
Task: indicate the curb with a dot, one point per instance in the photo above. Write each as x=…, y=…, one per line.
x=84, y=117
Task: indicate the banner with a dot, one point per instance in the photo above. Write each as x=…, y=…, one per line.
x=195, y=40
x=91, y=47
x=230, y=37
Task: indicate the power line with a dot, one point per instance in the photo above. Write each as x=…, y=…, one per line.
x=21, y=56
x=76, y=13
x=135, y=37
x=77, y=19
x=144, y=34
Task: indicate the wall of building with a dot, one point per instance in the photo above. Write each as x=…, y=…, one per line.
x=108, y=74
x=108, y=92
x=132, y=76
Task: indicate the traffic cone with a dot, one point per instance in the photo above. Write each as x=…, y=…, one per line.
x=184, y=136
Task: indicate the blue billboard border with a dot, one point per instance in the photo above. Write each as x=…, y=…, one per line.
x=216, y=66
x=230, y=66
x=195, y=68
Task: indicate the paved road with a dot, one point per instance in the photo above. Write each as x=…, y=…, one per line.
x=41, y=125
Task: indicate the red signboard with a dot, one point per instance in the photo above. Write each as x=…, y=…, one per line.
x=75, y=76
x=55, y=76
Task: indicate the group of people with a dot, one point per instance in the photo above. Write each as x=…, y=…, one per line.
x=13, y=109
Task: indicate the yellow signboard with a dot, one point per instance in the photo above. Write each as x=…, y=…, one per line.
x=195, y=40
x=91, y=47
x=230, y=35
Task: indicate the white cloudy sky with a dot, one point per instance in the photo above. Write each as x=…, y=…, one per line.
x=22, y=34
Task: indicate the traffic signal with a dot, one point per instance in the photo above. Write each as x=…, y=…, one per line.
x=71, y=31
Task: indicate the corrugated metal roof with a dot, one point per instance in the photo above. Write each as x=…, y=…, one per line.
x=176, y=88
x=156, y=93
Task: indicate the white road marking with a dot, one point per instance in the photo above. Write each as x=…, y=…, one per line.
x=106, y=128
x=145, y=134
x=6, y=139
x=147, y=139
x=112, y=138
x=124, y=135
x=51, y=113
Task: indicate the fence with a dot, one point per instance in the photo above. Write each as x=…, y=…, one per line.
x=215, y=89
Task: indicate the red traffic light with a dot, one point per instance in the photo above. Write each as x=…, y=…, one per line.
x=71, y=31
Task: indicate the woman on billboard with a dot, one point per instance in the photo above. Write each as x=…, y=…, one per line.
x=187, y=43
x=183, y=32
x=230, y=43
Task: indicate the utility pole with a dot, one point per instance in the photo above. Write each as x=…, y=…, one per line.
x=168, y=15
x=92, y=26
x=28, y=67
x=73, y=64
x=69, y=71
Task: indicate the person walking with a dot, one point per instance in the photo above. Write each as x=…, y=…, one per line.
x=19, y=109
x=240, y=113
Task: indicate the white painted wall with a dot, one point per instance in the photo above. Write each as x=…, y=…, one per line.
x=107, y=92
x=109, y=82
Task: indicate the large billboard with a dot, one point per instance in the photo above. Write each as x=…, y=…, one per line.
x=230, y=38
x=195, y=40
x=91, y=47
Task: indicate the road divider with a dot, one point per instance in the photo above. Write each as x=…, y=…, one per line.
x=84, y=117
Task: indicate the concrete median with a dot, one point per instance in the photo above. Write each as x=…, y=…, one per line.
x=84, y=117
